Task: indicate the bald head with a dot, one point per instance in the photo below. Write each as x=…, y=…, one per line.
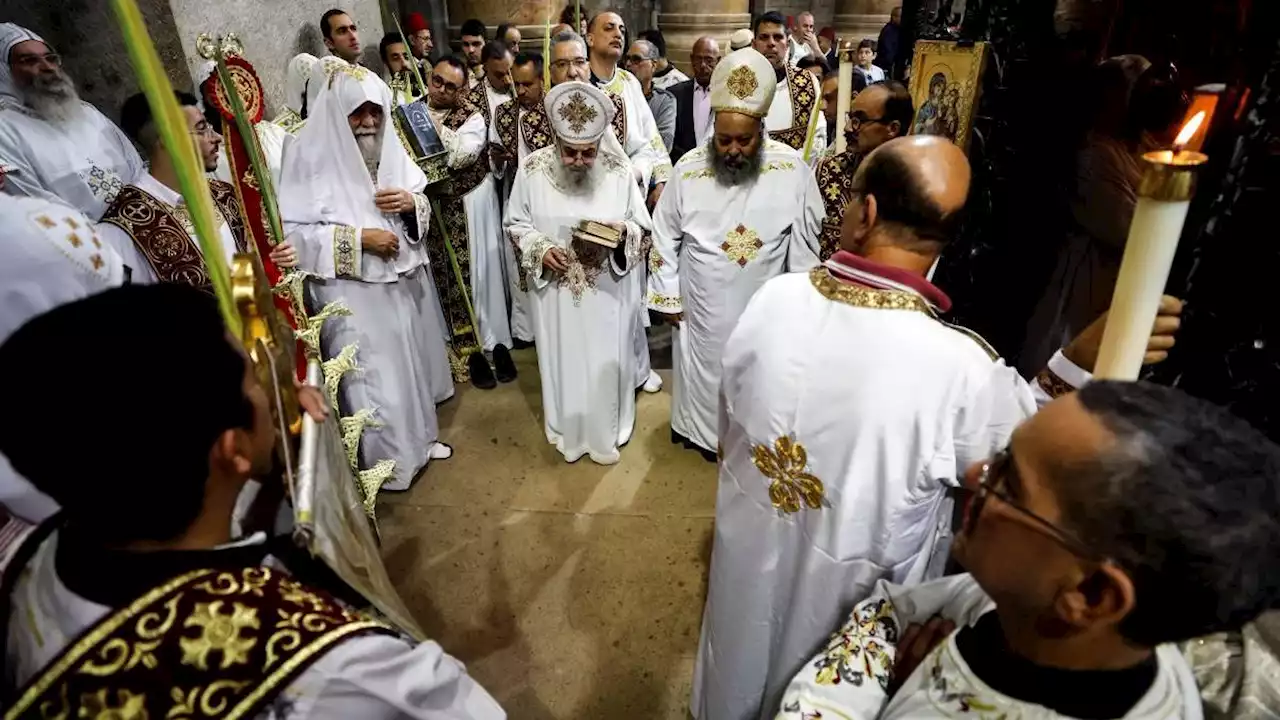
x=908, y=193
x=704, y=58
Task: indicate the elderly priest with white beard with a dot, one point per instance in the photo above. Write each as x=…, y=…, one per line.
x=586, y=294
x=737, y=212
x=52, y=145
x=352, y=204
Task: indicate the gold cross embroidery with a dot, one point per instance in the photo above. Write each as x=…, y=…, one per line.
x=577, y=112
x=97, y=261
x=74, y=239
x=742, y=82
x=45, y=222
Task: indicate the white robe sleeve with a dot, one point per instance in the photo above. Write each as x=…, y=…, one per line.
x=327, y=250
x=519, y=227
x=140, y=270
x=802, y=251
x=644, y=145
x=664, y=257
x=373, y=677
x=1059, y=377
x=464, y=144
x=849, y=677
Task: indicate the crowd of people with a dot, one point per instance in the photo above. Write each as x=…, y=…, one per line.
x=863, y=445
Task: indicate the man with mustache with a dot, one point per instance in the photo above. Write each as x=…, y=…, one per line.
x=798, y=91
x=351, y=202
x=740, y=210
x=586, y=299
x=52, y=145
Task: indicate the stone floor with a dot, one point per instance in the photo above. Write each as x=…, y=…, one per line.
x=570, y=591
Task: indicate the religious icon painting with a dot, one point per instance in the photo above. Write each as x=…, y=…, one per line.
x=946, y=81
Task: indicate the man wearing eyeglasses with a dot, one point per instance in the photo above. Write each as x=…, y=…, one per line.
x=52, y=145
x=146, y=217
x=877, y=115
x=1120, y=520
x=641, y=61
x=847, y=411
x=473, y=216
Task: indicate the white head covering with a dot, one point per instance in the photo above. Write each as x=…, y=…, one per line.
x=324, y=178
x=295, y=80
x=11, y=35
x=740, y=39
x=743, y=82
x=579, y=112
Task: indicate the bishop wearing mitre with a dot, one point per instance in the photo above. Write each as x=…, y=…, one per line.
x=586, y=295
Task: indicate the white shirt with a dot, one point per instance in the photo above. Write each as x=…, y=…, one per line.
x=702, y=115
x=874, y=74
x=673, y=76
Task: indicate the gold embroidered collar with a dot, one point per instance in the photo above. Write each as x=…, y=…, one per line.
x=865, y=297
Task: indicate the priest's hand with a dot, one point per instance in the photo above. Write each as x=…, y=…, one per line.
x=915, y=645
x=311, y=399
x=555, y=260
x=655, y=194
x=380, y=242
x=393, y=200
x=500, y=156
x=284, y=256
x=1083, y=349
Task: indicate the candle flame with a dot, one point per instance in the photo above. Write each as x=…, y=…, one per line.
x=1189, y=130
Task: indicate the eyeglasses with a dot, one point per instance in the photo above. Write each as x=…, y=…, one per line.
x=993, y=481
x=635, y=59
x=578, y=62
x=858, y=119
x=440, y=82
x=203, y=129
x=30, y=61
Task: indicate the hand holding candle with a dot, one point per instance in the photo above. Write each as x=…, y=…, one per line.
x=1164, y=196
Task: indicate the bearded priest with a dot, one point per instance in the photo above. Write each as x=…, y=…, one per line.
x=351, y=201
x=586, y=298
x=737, y=212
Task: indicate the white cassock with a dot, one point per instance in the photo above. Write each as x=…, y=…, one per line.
x=326, y=201
x=782, y=115
x=483, y=210
x=831, y=480
x=50, y=256
x=367, y=676
x=297, y=83
x=943, y=685
x=272, y=139
x=586, y=318
x=642, y=143
x=82, y=162
x=141, y=271
x=713, y=247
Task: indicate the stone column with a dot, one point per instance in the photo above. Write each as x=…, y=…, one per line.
x=528, y=15
x=858, y=19
x=684, y=21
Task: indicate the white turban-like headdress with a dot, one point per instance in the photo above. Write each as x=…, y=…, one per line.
x=11, y=35
x=744, y=82
x=579, y=112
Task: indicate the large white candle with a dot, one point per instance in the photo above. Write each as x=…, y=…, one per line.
x=1164, y=195
x=844, y=92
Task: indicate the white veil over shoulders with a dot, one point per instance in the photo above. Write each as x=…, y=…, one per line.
x=324, y=179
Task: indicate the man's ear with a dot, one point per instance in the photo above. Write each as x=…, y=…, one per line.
x=869, y=212
x=231, y=453
x=895, y=128
x=590, y=40
x=1104, y=597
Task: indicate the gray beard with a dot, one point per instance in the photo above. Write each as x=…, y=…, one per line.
x=54, y=99
x=747, y=171
x=577, y=182
x=371, y=151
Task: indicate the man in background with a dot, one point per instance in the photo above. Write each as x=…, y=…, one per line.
x=420, y=40
x=342, y=38
x=53, y=145
x=740, y=39
x=827, y=41
x=797, y=93
x=642, y=60
x=665, y=75
x=400, y=77
x=802, y=41
x=866, y=66
x=693, y=99
x=889, y=45
x=472, y=38
x=510, y=35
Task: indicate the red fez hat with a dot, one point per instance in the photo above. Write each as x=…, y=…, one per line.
x=828, y=33
x=414, y=22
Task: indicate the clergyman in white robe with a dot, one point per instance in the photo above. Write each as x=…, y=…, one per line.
x=943, y=685
x=326, y=202
x=586, y=317
x=846, y=410
x=81, y=159
x=715, y=244
x=50, y=256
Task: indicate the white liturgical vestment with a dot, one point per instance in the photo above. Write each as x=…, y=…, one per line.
x=326, y=202
x=847, y=410
x=50, y=256
x=586, y=318
x=642, y=142
x=713, y=247
x=943, y=685
x=82, y=161
x=781, y=116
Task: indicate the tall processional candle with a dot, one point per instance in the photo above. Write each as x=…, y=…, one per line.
x=1164, y=195
x=844, y=92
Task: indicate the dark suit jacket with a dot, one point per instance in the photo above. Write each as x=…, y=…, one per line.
x=686, y=138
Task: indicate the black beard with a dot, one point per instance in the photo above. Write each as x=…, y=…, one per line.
x=747, y=170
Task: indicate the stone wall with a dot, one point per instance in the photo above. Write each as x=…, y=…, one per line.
x=86, y=34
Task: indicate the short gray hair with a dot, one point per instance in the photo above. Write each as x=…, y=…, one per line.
x=650, y=51
x=566, y=36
